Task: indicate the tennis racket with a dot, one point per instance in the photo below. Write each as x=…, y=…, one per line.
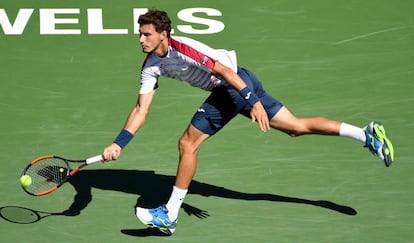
x=49, y=172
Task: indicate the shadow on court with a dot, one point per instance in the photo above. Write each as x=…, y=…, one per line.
x=154, y=189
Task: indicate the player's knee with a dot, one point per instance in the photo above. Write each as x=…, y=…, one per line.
x=185, y=145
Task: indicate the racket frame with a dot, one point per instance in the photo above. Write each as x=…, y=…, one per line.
x=94, y=159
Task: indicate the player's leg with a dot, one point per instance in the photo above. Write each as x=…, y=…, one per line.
x=188, y=146
x=373, y=136
x=165, y=216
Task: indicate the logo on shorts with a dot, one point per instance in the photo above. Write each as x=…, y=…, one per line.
x=201, y=110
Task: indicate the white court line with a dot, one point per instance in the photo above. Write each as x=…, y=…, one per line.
x=366, y=35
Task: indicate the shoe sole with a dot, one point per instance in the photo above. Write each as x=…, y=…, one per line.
x=387, y=148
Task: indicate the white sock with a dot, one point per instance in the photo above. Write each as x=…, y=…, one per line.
x=174, y=203
x=350, y=131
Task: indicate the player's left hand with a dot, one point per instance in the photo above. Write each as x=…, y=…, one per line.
x=258, y=113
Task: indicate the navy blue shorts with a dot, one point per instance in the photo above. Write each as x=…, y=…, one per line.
x=224, y=103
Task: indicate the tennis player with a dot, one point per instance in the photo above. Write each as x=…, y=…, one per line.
x=233, y=90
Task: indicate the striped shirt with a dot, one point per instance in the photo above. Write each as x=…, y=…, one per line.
x=187, y=60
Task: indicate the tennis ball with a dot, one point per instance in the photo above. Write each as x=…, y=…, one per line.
x=61, y=170
x=25, y=180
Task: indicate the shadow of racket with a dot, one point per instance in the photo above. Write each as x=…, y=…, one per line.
x=22, y=215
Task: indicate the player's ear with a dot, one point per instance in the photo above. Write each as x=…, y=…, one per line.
x=164, y=34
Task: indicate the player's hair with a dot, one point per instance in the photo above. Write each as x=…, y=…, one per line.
x=158, y=18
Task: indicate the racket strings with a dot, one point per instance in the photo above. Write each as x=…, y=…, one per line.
x=46, y=174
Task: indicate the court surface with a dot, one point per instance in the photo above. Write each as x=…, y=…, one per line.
x=69, y=95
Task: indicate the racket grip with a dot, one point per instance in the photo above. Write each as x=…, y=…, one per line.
x=94, y=159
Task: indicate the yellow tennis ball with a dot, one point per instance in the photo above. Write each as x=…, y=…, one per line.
x=61, y=170
x=25, y=180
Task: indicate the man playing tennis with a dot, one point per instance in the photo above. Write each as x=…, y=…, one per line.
x=234, y=90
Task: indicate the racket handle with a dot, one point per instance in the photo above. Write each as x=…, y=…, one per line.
x=94, y=159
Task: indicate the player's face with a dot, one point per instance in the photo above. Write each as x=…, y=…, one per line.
x=152, y=41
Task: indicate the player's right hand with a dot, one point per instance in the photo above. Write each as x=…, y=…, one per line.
x=259, y=115
x=112, y=152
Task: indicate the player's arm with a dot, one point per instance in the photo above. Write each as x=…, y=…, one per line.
x=134, y=122
x=257, y=113
x=139, y=112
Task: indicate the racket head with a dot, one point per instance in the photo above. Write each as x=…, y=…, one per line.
x=48, y=173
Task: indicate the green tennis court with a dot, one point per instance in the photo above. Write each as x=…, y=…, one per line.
x=67, y=84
